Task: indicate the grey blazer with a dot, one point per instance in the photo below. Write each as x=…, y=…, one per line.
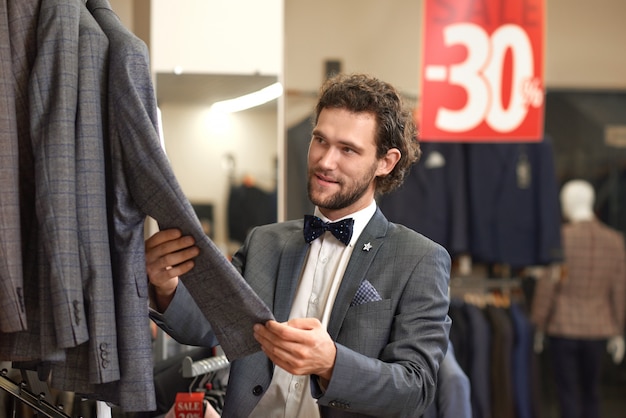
x=22, y=21
x=388, y=351
x=53, y=103
x=142, y=183
x=12, y=310
x=98, y=358
x=59, y=57
x=31, y=24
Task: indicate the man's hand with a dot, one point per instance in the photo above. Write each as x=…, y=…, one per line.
x=168, y=255
x=300, y=346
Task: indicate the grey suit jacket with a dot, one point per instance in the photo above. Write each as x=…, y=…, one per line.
x=388, y=351
x=22, y=22
x=98, y=356
x=142, y=183
x=12, y=310
x=26, y=19
x=69, y=63
x=53, y=104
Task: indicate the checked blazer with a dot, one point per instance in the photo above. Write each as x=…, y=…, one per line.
x=589, y=301
x=141, y=183
x=60, y=127
x=12, y=311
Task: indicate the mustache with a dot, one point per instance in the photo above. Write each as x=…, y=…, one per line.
x=323, y=176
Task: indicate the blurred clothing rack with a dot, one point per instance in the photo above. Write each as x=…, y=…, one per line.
x=37, y=402
x=460, y=286
x=201, y=367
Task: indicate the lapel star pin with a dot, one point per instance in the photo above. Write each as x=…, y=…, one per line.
x=367, y=247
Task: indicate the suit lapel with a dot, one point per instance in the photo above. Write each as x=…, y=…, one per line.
x=289, y=271
x=360, y=262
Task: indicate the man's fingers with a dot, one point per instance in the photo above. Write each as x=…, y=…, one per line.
x=304, y=323
x=169, y=252
x=179, y=269
x=162, y=236
x=173, y=259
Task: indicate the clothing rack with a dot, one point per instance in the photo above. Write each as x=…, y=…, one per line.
x=201, y=367
x=481, y=283
x=461, y=286
x=21, y=392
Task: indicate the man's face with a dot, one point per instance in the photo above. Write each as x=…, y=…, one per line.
x=342, y=162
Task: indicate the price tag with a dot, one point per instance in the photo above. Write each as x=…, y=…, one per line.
x=189, y=405
x=482, y=71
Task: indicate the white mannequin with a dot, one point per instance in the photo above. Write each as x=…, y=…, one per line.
x=577, y=199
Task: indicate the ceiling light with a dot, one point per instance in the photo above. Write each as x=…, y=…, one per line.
x=247, y=101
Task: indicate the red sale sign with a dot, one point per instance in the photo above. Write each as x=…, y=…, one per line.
x=482, y=71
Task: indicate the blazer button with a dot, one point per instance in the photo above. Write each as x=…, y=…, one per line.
x=258, y=389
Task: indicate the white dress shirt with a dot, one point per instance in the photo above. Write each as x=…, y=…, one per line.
x=288, y=395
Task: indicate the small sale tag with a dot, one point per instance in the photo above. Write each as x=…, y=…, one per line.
x=189, y=405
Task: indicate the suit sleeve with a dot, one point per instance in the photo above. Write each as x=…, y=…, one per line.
x=183, y=320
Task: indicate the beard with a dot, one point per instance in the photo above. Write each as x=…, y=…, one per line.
x=343, y=198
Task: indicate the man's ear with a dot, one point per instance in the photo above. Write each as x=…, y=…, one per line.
x=388, y=162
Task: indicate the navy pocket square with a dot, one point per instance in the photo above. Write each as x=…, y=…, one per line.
x=366, y=293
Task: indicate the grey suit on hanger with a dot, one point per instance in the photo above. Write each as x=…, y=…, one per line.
x=142, y=183
x=388, y=350
x=12, y=310
x=53, y=103
x=99, y=356
x=39, y=340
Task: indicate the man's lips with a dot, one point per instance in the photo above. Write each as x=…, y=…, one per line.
x=325, y=179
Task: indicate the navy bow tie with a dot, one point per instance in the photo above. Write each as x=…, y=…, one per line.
x=315, y=227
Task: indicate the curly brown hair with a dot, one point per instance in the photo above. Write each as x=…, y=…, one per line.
x=396, y=127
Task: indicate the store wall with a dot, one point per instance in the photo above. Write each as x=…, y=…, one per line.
x=218, y=36
x=124, y=10
x=583, y=50
x=199, y=152
x=584, y=42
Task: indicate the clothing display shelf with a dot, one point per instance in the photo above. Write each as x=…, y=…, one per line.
x=463, y=286
x=36, y=402
x=201, y=367
x=481, y=283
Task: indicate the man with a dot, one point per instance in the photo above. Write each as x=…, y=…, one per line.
x=363, y=326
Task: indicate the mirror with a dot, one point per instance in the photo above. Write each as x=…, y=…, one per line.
x=223, y=161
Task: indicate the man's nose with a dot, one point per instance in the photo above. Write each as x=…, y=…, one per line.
x=328, y=158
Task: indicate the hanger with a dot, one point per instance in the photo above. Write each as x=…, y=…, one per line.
x=22, y=393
